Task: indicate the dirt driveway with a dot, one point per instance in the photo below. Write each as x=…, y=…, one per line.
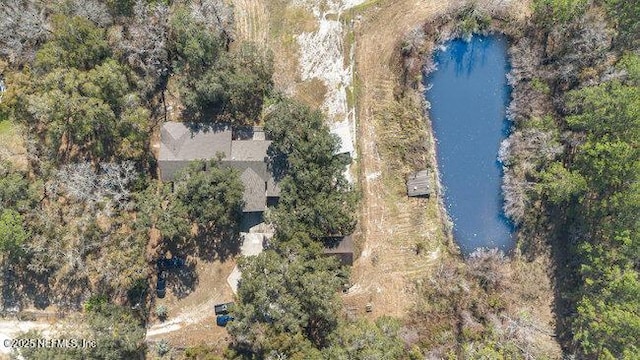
x=191, y=319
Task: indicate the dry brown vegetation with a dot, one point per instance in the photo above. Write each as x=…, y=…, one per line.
x=274, y=24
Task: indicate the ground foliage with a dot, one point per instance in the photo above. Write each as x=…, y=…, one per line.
x=117, y=333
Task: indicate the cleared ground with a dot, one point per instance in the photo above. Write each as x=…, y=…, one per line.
x=191, y=319
x=390, y=225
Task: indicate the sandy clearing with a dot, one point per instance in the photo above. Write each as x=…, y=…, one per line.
x=187, y=317
x=322, y=57
x=11, y=329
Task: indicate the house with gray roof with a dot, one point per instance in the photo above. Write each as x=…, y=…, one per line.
x=182, y=143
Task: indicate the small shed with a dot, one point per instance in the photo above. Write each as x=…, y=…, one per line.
x=340, y=247
x=418, y=184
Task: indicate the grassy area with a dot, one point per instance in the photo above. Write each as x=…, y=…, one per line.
x=312, y=92
x=6, y=127
x=11, y=143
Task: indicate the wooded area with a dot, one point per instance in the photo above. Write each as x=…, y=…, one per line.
x=585, y=68
x=87, y=82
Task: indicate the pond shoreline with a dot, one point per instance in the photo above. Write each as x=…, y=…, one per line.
x=469, y=95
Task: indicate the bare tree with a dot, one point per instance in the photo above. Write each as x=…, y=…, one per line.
x=488, y=266
x=93, y=10
x=114, y=182
x=107, y=188
x=217, y=15
x=23, y=27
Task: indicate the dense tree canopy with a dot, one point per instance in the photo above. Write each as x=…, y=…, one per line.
x=608, y=322
x=211, y=198
x=596, y=188
x=287, y=300
x=316, y=198
x=78, y=101
x=160, y=209
x=218, y=84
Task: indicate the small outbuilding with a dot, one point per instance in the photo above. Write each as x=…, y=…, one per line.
x=341, y=247
x=418, y=184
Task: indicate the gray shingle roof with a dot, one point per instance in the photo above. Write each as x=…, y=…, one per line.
x=249, y=150
x=254, y=191
x=260, y=168
x=182, y=143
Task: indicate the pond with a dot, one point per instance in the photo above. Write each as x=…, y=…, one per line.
x=469, y=93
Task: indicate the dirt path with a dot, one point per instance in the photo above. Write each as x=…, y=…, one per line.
x=251, y=20
x=186, y=317
x=191, y=319
x=11, y=329
x=390, y=224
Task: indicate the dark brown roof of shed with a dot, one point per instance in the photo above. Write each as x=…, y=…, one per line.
x=418, y=184
x=341, y=247
x=338, y=245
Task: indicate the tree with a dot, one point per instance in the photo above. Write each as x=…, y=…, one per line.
x=625, y=14
x=212, y=198
x=551, y=12
x=95, y=11
x=12, y=233
x=76, y=43
x=232, y=89
x=249, y=82
x=315, y=197
x=158, y=207
x=607, y=325
x=111, y=332
x=77, y=100
x=362, y=340
x=24, y=27
x=608, y=166
x=287, y=300
x=611, y=109
x=15, y=190
x=561, y=185
x=92, y=113
x=196, y=47
x=145, y=44
x=217, y=84
x=107, y=188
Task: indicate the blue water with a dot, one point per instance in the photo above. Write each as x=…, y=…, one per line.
x=469, y=94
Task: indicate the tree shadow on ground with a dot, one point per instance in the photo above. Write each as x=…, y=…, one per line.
x=70, y=293
x=219, y=245
x=565, y=266
x=24, y=288
x=182, y=281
